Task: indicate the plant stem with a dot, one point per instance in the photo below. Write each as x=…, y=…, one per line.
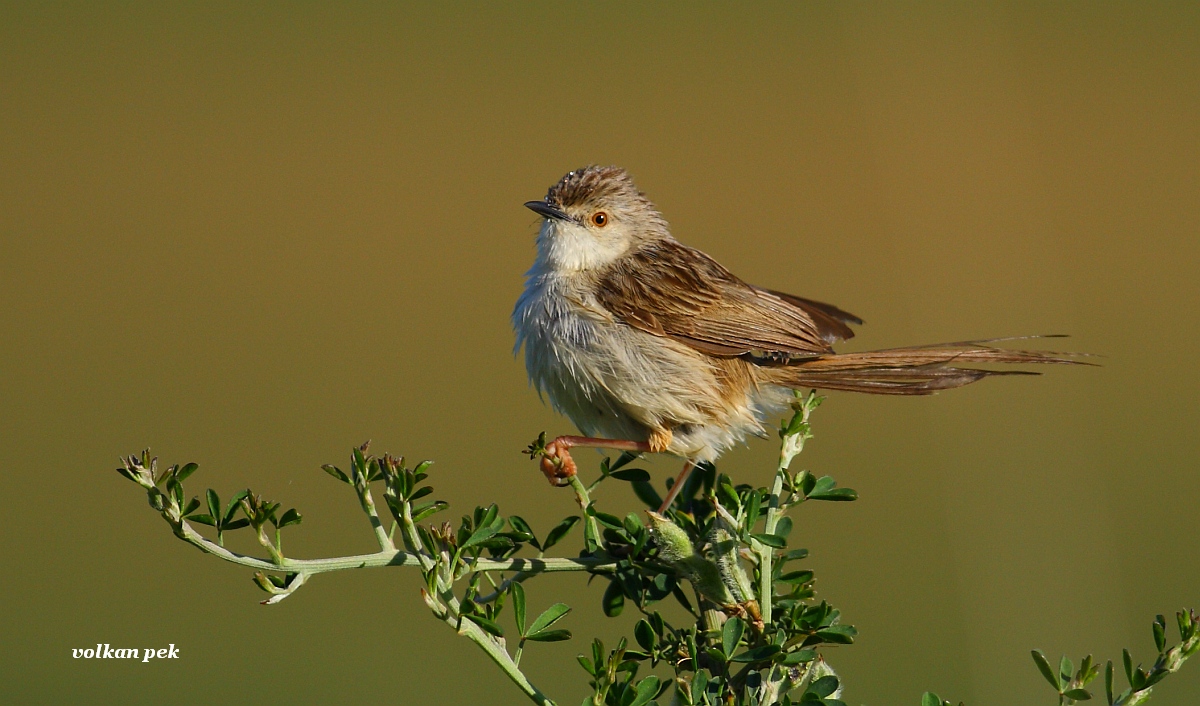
x=765, y=553
x=391, y=557
x=506, y=664
x=368, y=506
x=591, y=527
x=792, y=445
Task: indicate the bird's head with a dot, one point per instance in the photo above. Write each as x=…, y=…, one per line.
x=592, y=217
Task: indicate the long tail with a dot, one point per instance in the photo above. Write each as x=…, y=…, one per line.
x=920, y=370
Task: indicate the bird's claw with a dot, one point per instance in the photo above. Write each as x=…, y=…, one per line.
x=557, y=464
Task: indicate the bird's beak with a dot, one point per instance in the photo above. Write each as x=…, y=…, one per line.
x=546, y=210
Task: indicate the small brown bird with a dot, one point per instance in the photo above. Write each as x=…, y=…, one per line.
x=650, y=345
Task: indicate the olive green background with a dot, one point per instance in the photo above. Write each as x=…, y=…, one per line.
x=254, y=236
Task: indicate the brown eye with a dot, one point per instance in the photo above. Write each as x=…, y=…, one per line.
x=599, y=219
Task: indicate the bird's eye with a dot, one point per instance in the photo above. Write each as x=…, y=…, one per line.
x=599, y=219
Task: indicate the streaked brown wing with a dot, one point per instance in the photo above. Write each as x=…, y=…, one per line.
x=831, y=321
x=668, y=289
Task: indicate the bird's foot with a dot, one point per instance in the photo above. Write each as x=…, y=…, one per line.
x=556, y=462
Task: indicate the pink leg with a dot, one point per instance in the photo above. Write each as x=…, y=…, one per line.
x=558, y=465
x=683, y=476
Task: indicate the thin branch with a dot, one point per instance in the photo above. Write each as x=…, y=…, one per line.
x=498, y=655
x=368, y=506
x=389, y=558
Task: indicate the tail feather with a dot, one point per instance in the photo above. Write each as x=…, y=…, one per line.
x=918, y=370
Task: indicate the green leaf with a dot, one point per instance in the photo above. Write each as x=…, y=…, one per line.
x=420, y=493
x=127, y=473
x=613, y=601
x=261, y=580
x=235, y=524
x=753, y=507
x=1078, y=694
x=824, y=686
x=623, y=460
x=484, y=531
x=1043, y=666
x=838, y=634
x=214, y=504
x=1087, y=671
x=631, y=475
x=188, y=469
x=204, y=519
x=291, y=517
x=518, y=598
x=794, y=555
x=731, y=634
x=521, y=527
x=757, y=654
x=549, y=636
x=647, y=689
x=488, y=516
x=644, y=634
x=834, y=495
x=420, y=512
x=806, y=482
x=192, y=506
x=783, y=527
x=1128, y=659
x=771, y=540
x=358, y=462
x=1065, y=670
x=587, y=667
x=1139, y=680
x=1108, y=681
x=727, y=495
x=549, y=617
x=498, y=543
x=487, y=625
x=930, y=699
x=803, y=576
x=419, y=473
x=799, y=657
x=647, y=494
x=335, y=472
x=1160, y=634
x=559, y=531
x=633, y=525
x=235, y=504
x=610, y=521
x=1155, y=678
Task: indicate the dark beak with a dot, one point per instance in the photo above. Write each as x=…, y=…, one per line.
x=546, y=210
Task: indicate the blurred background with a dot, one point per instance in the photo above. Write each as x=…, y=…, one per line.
x=255, y=236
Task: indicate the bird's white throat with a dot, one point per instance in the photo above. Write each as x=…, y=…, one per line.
x=569, y=247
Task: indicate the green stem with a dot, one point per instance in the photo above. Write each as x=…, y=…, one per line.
x=391, y=557
x=498, y=655
x=792, y=445
x=368, y=506
x=765, y=553
x=591, y=527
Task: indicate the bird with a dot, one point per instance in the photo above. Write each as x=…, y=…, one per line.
x=649, y=345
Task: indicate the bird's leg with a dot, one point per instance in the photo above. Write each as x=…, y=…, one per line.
x=683, y=476
x=558, y=465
